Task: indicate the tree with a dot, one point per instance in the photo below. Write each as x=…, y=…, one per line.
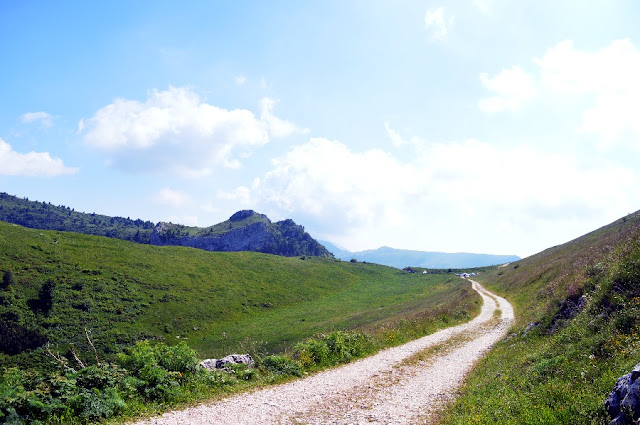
x=7, y=279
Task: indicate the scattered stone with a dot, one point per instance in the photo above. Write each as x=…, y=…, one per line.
x=213, y=364
x=623, y=404
x=530, y=327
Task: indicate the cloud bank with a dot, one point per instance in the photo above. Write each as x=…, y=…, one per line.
x=175, y=131
x=363, y=197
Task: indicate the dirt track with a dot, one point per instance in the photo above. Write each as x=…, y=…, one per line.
x=400, y=385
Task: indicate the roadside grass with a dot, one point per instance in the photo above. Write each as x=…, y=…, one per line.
x=581, y=305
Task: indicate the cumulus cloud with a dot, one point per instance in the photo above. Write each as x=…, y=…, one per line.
x=604, y=80
x=172, y=198
x=512, y=87
x=609, y=75
x=44, y=118
x=364, y=197
x=30, y=164
x=436, y=24
x=175, y=131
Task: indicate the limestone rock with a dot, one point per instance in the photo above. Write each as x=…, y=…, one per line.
x=623, y=404
x=213, y=364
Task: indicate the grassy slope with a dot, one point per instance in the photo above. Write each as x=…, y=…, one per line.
x=583, y=297
x=220, y=302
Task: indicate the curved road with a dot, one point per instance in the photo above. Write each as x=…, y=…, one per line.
x=387, y=388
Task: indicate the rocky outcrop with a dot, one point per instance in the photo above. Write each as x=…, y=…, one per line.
x=233, y=359
x=244, y=231
x=250, y=238
x=623, y=404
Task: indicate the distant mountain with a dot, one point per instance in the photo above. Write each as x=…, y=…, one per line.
x=244, y=231
x=401, y=258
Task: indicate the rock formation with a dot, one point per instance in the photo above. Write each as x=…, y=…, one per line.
x=623, y=404
x=213, y=364
x=244, y=231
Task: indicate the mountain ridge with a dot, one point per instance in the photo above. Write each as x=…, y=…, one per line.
x=401, y=258
x=246, y=230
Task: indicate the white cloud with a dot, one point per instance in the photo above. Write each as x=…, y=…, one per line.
x=277, y=127
x=241, y=194
x=364, y=199
x=174, y=131
x=240, y=80
x=30, y=164
x=511, y=86
x=437, y=24
x=172, y=198
x=45, y=119
x=610, y=75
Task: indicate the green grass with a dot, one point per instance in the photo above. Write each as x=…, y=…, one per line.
x=584, y=299
x=56, y=285
x=218, y=302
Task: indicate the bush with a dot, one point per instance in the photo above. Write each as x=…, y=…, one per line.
x=280, y=366
x=96, y=404
x=336, y=347
x=312, y=352
x=159, y=368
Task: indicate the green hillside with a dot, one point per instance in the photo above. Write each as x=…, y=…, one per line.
x=216, y=301
x=46, y=216
x=577, y=330
x=243, y=231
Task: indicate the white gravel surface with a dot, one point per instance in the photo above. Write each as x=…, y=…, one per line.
x=380, y=389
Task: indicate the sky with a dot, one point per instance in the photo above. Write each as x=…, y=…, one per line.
x=485, y=126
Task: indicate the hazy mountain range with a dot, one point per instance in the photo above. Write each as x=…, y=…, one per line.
x=401, y=258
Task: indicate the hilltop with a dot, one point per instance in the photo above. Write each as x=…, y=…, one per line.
x=244, y=231
x=401, y=258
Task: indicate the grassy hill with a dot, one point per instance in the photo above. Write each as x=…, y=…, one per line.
x=59, y=283
x=244, y=231
x=577, y=330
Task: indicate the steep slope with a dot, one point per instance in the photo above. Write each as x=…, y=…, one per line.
x=577, y=330
x=401, y=258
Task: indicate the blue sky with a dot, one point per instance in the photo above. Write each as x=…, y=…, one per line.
x=481, y=126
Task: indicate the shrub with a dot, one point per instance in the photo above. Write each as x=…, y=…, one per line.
x=96, y=404
x=312, y=352
x=159, y=368
x=280, y=366
x=336, y=347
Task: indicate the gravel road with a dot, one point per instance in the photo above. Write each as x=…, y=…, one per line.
x=395, y=386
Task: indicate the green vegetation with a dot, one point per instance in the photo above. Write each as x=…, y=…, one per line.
x=62, y=294
x=42, y=215
x=281, y=238
x=577, y=330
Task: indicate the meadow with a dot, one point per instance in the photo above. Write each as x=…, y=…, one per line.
x=59, y=287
